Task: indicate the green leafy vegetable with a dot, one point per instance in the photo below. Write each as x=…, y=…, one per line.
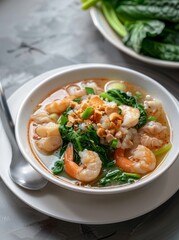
x=132, y=101
x=149, y=27
x=85, y=140
x=139, y=30
x=160, y=50
x=115, y=175
x=58, y=167
x=148, y=9
x=109, y=98
x=169, y=35
x=89, y=90
x=77, y=100
x=63, y=120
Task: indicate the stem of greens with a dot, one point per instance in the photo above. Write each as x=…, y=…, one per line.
x=113, y=20
x=89, y=3
x=105, y=95
x=132, y=175
x=162, y=150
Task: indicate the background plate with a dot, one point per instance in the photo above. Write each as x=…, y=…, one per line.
x=103, y=26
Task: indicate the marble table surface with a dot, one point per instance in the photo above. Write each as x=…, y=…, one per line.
x=37, y=36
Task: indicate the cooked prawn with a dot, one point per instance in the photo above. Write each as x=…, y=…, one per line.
x=150, y=142
x=128, y=138
x=142, y=160
x=131, y=116
x=155, y=129
x=59, y=106
x=75, y=90
x=49, y=144
x=47, y=130
x=50, y=137
x=41, y=117
x=153, y=107
x=90, y=165
x=153, y=135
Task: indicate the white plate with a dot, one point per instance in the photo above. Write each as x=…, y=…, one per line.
x=103, y=26
x=83, y=208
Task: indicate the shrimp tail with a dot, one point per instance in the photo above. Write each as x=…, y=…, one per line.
x=70, y=166
x=68, y=156
x=122, y=161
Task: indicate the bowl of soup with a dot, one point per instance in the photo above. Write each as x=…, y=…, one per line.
x=99, y=129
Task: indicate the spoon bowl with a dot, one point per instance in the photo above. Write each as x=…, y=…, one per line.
x=21, y=172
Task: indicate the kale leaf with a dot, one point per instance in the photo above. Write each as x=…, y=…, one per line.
x=139, y=30
x=160, y=50
x=148, y=9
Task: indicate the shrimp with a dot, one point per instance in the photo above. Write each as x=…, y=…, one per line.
x=49, y=144
x=153, y=107
x=153, y=135
x=150, y=142
x=47, y=130
x=79, y=91
x=75, y=90
x=90, y=166
x=129, y=138
x=131, y=116
x=59, y=106
x=142, y=160
x=50, y=137
x=155, y=129
x=41, y=117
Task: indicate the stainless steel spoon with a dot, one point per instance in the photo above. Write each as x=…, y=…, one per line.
x=21, y=171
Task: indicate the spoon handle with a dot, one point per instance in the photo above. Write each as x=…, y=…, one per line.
x=6, y=118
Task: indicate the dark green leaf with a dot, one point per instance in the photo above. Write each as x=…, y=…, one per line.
x=117, y=176
x=169, y=35
x=63, y=120
x=89, y=90
x=77, y=100
x=139, y=30
x=148, y=9
x=58, y=167
x=160, y=50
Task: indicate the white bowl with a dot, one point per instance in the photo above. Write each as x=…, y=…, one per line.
x=97, y=71
x=105, y=29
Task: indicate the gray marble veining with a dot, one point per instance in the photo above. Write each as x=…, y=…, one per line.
x=40, y=35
